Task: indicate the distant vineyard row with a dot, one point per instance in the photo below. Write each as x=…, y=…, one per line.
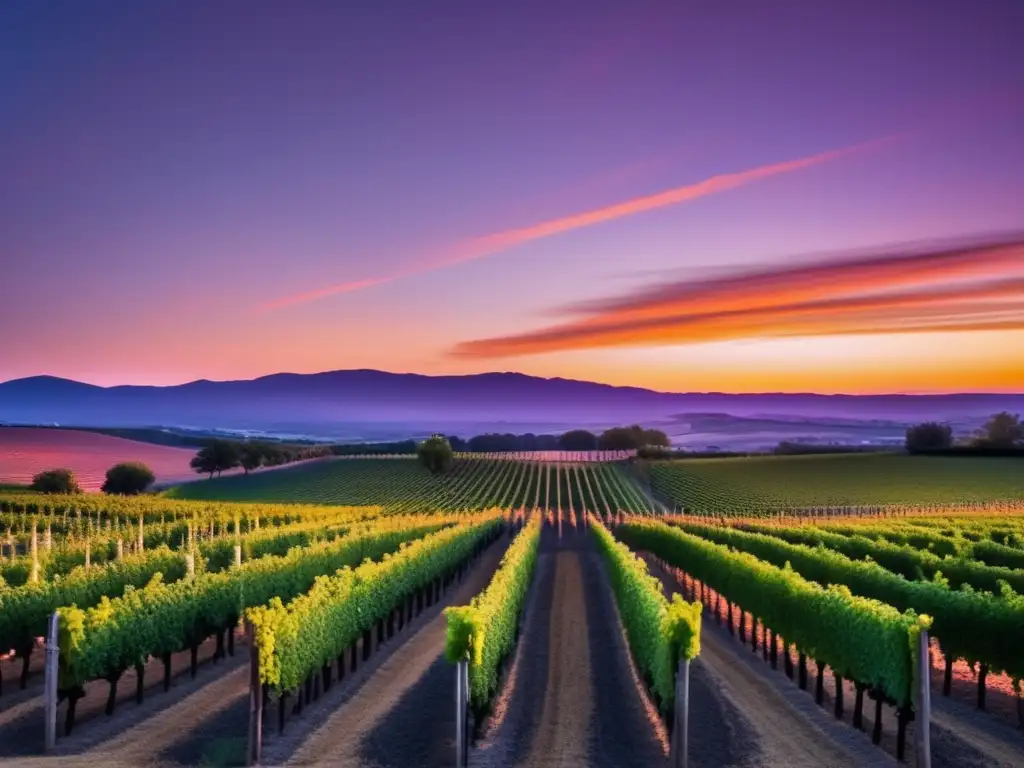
x=748, y=486
x=405, y=486
x=842, y=484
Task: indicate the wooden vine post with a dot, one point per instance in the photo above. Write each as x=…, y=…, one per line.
x=34, y=576
x=681, y=716
x=461, y=710
x=923, y=716
x=255, y=745
x=50, y=682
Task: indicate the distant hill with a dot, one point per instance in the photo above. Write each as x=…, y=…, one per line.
x=369, y=404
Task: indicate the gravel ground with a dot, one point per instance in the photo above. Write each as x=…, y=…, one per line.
x=720, y=734
x=963, y=736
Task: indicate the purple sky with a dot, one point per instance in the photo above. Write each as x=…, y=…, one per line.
x=170, y=169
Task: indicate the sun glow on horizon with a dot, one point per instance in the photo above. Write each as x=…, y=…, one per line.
x=940, y=363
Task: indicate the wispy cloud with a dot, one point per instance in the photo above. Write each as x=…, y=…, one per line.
x=487, y=245
x=973, y=286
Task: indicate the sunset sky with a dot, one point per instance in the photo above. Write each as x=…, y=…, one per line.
x=690, y=195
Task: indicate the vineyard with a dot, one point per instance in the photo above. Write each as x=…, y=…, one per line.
x=403, y=485
x=574, y=618
x=764, y=484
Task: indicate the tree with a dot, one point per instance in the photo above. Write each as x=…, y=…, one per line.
x=435, y=453
x=655, y=438
x=1003, y=430
x=273, y=455
x=619, y=439
x=632, y=438
x=128, y=478
x=930, y=436
x=493, y=442
x=203, y=463
x=56, y=481
x=216, y=456
x=578, y=440
x=251, y=456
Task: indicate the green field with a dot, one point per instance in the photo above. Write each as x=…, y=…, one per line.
x=774, y=482
x=404, y=485
x=728, y=485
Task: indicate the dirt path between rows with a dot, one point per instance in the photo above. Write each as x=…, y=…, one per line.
x=785, y=737
x=404, y=713
x=138, y=735
x=570, y=698
x=565, y=713
x=143, y=742
x=21, y=725
x=1002, y=747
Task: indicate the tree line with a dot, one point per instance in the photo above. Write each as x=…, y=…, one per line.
x=218, y=455
x=628, y=438
x=1003, y=433
x=437, y=452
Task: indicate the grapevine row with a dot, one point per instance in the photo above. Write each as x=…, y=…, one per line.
x=975, y=626
x=298, y=638
x=660, y=632
x=163, y=618
x=485, y=631
x=905, y=560
x=861, y=639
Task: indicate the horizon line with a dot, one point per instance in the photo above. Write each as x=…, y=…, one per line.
x=705, y=393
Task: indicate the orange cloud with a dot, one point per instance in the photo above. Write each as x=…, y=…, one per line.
x=850, y=296
x=775, y=286
x=501, y=241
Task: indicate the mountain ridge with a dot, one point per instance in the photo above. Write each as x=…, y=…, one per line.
x=505, y=374
x=327, y=401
